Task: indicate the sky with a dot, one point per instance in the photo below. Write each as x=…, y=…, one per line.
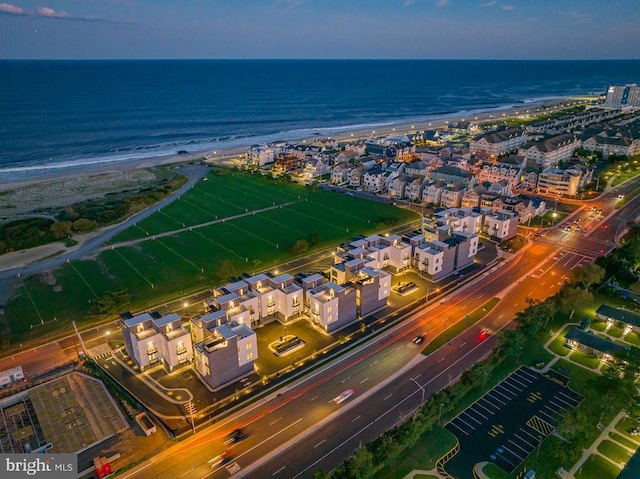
x=314, y=29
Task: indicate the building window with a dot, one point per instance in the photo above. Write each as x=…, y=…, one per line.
x=249, y=345
x=249, y=355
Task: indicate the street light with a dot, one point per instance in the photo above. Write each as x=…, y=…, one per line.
x=554, y=215
x=421, y=389
x=109, y=338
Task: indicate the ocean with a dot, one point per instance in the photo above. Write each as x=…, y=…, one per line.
x=65, y=115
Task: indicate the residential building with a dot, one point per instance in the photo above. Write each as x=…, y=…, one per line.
x=415, y=189
x=151, y=339
x=373, y=287
x=623, y=96
x=494, y=144
x=432, y=193
x=226, y=353
x=237, y=302
x=341, y=173
x=259, y=155
x=501, y=225
x=451, y=195
x=450, y=175
x=398, y=186
x=551, y=151
x=589, y=343
x=509, y=169
x=279, y=298
x=565, y=182
x=611, y=315
x=375, y=180
x=331, y=306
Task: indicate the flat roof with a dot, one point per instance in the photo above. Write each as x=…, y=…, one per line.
x=164, y=320
x=140, y=318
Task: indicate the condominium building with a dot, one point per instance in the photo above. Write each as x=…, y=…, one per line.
x=151, y=339
x=627, y=95
x=225, y=353
x=567, y=182
x=278, y=296
x=550, y=152
x=332, y=306
x=497, y=143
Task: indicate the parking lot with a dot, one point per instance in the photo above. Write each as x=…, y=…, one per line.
x=509, y=422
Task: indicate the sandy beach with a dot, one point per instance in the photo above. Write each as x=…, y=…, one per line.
x=233, y=152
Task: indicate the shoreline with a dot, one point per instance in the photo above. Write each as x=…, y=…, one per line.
x=437, y=121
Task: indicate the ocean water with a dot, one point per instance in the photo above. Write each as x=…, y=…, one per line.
x=61, y=115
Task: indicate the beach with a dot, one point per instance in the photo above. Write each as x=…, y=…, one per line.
x=77, y=176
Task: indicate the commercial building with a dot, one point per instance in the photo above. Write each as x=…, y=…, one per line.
x=622, y=96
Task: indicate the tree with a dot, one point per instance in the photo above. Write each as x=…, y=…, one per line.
x=586, y=275
x=61, y=229
x=112, y=302
x=573, y=297
x=83, y=225
x=299, y=247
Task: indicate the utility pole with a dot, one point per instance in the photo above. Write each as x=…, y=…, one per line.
x=190, y=408
x=421, y=389
x=84, y=349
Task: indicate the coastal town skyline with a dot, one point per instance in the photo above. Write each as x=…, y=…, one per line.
x=293, y=29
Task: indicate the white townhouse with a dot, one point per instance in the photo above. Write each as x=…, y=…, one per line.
x=501, y=225
x=375, y=180
x=151, y=339
x=225, y=353
x=397, y=188
x=432, y=193
x=341, y=173
x=278, y=296
x=259, y=155
x=415, y=189
x=331, y=306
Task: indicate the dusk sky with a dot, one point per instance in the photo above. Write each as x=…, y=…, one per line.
x=456, y=29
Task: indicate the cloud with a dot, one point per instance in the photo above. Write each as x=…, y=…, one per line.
x=51, y=13
x=508, y=8
x=442, y=3
x=578, y=16
x=47, y=12
x=491, y=3
x=409, y=2
x=11, y=9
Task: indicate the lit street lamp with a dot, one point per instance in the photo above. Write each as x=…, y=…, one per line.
x=109, y=338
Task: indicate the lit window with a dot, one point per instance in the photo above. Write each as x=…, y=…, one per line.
x=249, y=355
x=249, y=345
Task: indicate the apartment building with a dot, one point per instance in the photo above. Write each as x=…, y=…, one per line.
x=623, y=96
x=238, y=303
x=259, y=155
x=500, y=225
x=151, y=339
x=550, y=152
x=225, y=353
x=509, y=169
x=563, y=182
x=494, y=144
x=279, y=298
x=331, y=306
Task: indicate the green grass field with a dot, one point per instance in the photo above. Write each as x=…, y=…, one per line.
x=156, y=270
x=599, y=467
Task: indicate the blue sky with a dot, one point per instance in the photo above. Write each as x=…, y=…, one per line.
x=459, y=29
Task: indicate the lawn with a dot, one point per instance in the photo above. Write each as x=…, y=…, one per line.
x=625, y=425
x=423, y=456
x=599, y=326
x=615, y=331
x=494, y=472
x=614, y=452
x=586, y=360
x=623, y=440
x=599, y=467
x=633, y=338
x=557, y=345
x=158, y=270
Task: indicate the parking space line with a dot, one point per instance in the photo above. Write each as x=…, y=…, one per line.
x=524, y=386
x=561, y=400
x=510, y=387
x=530, y=377
x=560, y=407
x=462, y=430
x=524, y=440
x=503, y=395
x=471, y=417
x=465, y=423
x=512, y=452
x=554, y=411
x=478, y=412
x=526, y=452
x=502, y=386
x=552, y=418
x=493, y=409
x=536, y=438
x=506, y=460
x=573, y=401
x=490, y=412
x=495, y=398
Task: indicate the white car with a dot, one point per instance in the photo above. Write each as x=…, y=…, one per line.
x=344, y=395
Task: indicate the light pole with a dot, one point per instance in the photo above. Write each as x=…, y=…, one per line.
x=190, y=408
x=109, y=339
x=421, y=389
x=554, y=215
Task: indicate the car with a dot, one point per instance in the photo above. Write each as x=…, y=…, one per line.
x=222, y=459
x=621, y=196
x=236, y=435
x=344, y=395
x=599, y=212
x=568, y=228
x=418, y=339
x=484, y=334
x=594, y=208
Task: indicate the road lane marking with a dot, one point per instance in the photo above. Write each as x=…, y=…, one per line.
x=319, y=443
x=399, y=347
x=375, y=362
x=279, y=471
x=387, y=397
x=463, y=344
x=356, y=418
x=441, y=359
x=364, y=380
x=273, y=422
